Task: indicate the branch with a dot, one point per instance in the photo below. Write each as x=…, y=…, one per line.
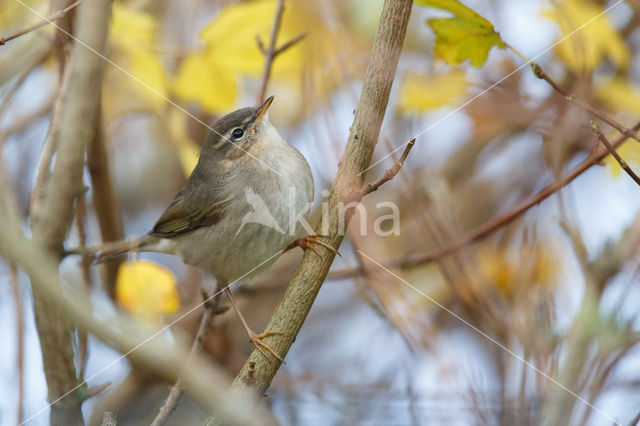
x=56, y=16
x=105, y=202
x=73, y=124
x=612, y=150
x=538, y=72
x=305, y=285
x=390, y=173
x=271, y=52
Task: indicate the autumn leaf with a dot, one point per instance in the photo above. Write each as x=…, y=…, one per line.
x=466, y=36
x=133, y=35
x=590, y=36
x=146, y=289
x=423, y=93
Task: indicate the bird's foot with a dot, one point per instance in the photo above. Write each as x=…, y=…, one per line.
x=256, y=339
x=306, y=243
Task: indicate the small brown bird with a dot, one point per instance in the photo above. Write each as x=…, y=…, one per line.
x=241, y=208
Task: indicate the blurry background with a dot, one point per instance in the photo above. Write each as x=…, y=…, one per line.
x=558, y=286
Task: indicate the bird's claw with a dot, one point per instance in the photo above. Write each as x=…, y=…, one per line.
x=305, y=243
x=256, y=340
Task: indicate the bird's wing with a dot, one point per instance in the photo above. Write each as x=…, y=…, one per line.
x=198, y=204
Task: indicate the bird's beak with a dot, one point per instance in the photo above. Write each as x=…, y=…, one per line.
x=262, y=110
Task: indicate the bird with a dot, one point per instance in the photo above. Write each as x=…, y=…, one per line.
x=235, y=215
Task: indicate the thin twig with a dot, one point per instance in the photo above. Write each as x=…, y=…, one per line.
x=56, y=16
x=290, y=43
x=539, y=72
x=209, y=311
x=272, y=51
x=390, y=173
x=596, y=129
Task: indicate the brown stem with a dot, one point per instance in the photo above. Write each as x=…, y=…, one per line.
x=272, y=51
x=105, y=202
x=75, y=113
x=390, y=173
x=56, y=16
x=602, y=138
x=539, y=72
x=305, y=285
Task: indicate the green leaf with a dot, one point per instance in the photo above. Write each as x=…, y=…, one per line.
x=466, y=36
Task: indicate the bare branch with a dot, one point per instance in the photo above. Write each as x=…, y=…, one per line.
x=539, y=72
x=73, y=124
x=596, y=130
x=390, y=173
x=56, y=16
x=272, y=51
x=105, y=202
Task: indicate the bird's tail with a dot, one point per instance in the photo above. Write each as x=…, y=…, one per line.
x=110, y=250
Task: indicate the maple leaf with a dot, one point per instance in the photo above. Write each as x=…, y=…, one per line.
x=465, y=36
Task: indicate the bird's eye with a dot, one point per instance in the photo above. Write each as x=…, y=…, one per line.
x=237, y=133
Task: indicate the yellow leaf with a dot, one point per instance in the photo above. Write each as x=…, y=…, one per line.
x=466, y=36
x=630, y=153
x=134, y=35
x=591, y=36
x=423, y=93
x=201, y=79
x=146, y=289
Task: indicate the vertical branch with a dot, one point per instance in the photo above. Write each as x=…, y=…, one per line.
x=269, y=53
x=75, y=112
x=305, y=285
x=105, y=202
